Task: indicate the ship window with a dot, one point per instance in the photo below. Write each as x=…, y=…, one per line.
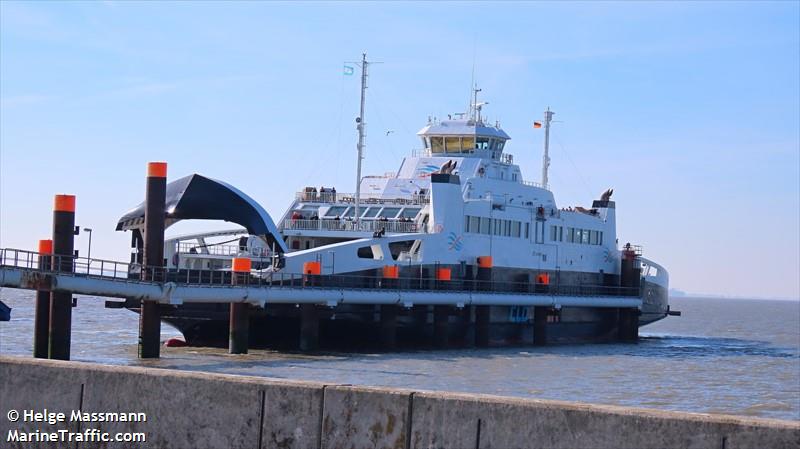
x=335, y=211
x=395, y=248
x=593, y=238
x=482, y=143
x=497, y=226
x=601, y=238
x=554, y=233
x=539, y=232
x=409, y=212
x=500, y=144
x=437, y=144
x=427, y=142
x=507, y=230
x=527, y=230
x=389, y=212
x=350, y=212
x=515, y=229
x=467, y=144
x=474, y=224
x=365, y=252
x=561, y=233
x=484, y=225
x=452, y=144
x=585, y=236
x=466, y=223
x=371, y=212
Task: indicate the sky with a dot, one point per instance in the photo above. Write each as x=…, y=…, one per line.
x=689, y=110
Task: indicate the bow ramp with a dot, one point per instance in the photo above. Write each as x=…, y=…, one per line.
x=196, y=197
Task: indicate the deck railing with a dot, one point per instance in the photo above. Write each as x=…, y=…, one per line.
x=221, y=250
x=364, y=198
x=389, y=226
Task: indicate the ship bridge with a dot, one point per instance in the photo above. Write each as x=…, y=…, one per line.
x=463, y=138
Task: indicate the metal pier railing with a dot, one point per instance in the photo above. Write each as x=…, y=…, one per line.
x=21, y=269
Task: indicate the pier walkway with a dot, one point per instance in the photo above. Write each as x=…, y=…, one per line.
x=21, y=269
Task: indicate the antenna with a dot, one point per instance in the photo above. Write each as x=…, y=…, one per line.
x=360, y=125
x=548, y=117
x=474, y=107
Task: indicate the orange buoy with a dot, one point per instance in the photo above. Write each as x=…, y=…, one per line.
x=312, y=268
x=391, y=271
x=242, y=265
x=543, y=278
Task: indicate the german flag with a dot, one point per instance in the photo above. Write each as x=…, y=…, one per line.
x=537, y=125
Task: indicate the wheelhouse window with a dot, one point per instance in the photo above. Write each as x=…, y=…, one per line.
x=467, y=144
x=482, y=143
x=452, y=144
x=437, y=144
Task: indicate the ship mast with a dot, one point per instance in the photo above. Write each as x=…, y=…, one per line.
x=360, y=126
x=548, y=117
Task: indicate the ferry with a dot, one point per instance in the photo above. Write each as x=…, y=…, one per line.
x=457, y=215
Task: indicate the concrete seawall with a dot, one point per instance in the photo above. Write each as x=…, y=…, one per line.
x=204, y=410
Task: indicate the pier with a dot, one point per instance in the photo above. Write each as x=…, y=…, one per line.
x=205, y=410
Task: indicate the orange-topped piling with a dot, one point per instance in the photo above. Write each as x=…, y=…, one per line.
x=41, y=320
x=45, y=247
x=239, y=322
x=63, y=247
x=64, y=203
x=153, y=261
x=157, y=170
